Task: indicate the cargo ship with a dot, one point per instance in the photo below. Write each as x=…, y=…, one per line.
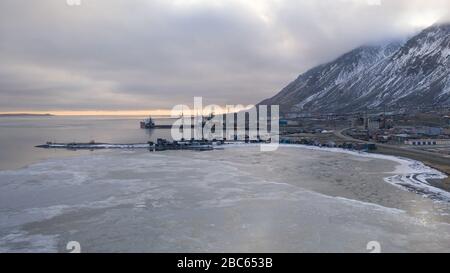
x=148, y=123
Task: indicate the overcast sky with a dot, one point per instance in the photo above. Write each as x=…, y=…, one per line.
x=153, y=54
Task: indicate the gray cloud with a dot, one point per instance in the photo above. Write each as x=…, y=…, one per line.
x=142, y=54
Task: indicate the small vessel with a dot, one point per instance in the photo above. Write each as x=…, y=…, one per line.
x=148, y=123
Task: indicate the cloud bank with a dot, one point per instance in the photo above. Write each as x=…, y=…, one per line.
x=143, y=54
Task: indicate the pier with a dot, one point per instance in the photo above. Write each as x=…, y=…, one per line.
x=160, y=145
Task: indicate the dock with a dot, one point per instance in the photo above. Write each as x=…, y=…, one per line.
x=160, y=145
x=166, y=126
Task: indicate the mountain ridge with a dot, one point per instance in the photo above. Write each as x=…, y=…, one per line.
x=411, y=74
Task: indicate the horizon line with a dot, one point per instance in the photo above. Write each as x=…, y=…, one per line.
x=155, y=112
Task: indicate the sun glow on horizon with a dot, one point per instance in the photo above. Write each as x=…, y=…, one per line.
x=158, y=112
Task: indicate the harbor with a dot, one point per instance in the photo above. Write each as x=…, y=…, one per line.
x=162, y=144
x=159, y=145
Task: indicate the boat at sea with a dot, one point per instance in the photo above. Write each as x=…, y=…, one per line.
x=149, y=123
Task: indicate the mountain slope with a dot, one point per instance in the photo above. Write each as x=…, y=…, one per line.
x=408, y=75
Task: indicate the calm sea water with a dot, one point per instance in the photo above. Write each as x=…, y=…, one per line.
x=294, y=199
x=19, y=135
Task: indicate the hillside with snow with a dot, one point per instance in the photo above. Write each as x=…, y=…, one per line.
x=406, y=75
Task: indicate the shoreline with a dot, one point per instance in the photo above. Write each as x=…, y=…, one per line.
x=436, y=162
x=411, y=174
x=431, y=160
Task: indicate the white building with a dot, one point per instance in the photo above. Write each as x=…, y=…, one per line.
x=423, y=142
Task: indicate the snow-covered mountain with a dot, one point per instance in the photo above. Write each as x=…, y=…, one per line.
x=407, y=75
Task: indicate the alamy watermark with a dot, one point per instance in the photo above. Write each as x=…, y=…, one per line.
x=73, y=247
x=237, y=123
x=374, y=247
